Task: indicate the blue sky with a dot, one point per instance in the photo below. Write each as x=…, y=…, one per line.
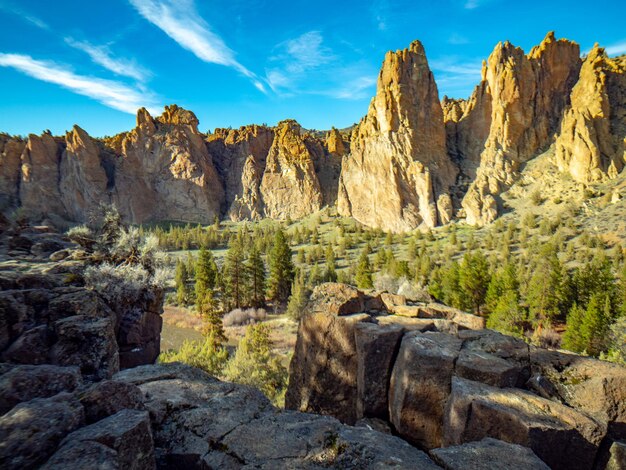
x=238, y=62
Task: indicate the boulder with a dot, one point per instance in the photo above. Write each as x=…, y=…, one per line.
x=617, y=460
x=595, y=387
x=376, y=350
x=488, y=454
x=336, y=299
x=323, y=369
x=391, y=301
x=83, y=454
x=560, y=436
x=31, y=347
x=31, y=431
x=420, y=386
x=108, y=397
x=25, y=382
x=88, y=343
x=127, y=432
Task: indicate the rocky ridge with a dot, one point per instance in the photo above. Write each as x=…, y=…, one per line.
x=438, y=379
x=412, y=162
x=69, y=397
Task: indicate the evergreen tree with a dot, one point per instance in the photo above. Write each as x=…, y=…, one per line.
x=298, y=299
x=256, y=276
x=595, y=324
x=181, y=282
x=451, y=293
x=255, y=364
x=474, y=278
x=281, y=268
x=572, y=338
x=507, y=317
x=206, y=273
x=331, y=274
x=235, y=275
x=212, y=316
x=545, y=290
x=364, y=272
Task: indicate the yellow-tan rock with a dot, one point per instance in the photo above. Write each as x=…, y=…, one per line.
x=398, y=165
x=591, y=144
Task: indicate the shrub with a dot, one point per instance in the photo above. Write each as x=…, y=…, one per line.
x=125, y=283
x=207, y=355
x=241, y=317
x=386, y=283
x=255, y=364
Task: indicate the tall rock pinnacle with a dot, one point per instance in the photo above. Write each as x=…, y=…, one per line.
x=398, y=173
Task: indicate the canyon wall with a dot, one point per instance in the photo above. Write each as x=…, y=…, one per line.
x=412, y=162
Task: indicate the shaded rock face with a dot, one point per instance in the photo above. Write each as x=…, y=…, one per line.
x=282, y=172
x=513, y=114
x=47, y=316
x=38, y=188
x=591, y=142
x=11, y=149
x=438, y=383
x=240, y=156
x=165, y=165
x=398, y=166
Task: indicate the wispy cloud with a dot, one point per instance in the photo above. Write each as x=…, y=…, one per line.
x=111, y=93
x=305, y=65
x=456, y=77
x=102, y=55
x=180, y=20
x=617, y=48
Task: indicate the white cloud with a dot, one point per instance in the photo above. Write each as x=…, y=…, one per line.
x=114, y=94
x=103, y=56
x=296, y=58
x=471, y=4
x=181, y=22
x=305, y=66
x=616, y=49
x=456, y=77
x=357, y=88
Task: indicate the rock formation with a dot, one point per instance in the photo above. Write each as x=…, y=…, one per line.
x=413, y=160
x=38, y=189
x=398, y=168
x=592, y=141
x=164, y=164
x=440, y=383
x=282, y=172
x=514, y=111
x=290, y=187
x=11, y=149
x=83, y=181
x=240, y=156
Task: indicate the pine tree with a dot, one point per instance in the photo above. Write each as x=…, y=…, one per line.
x=256, y=276
x=331, y=273
x=181, y=282
x=507, y=316
x=255, y=364
x=298, y=299
x=364, y=273
x=235, y=275
x=206, y=273
x=281, y=268
x=573, y=339
x=595, y=324
x=212, y=316
x=474, y=278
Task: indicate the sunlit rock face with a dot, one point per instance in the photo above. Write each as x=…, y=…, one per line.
x=591, y=144
x=512, y=115
x=398, y=167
